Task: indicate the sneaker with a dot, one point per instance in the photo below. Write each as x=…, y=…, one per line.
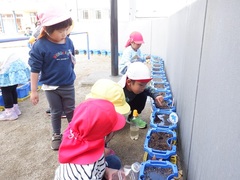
x=8, y=115
x=56, y=141
x=140, y=123
x=17, y=110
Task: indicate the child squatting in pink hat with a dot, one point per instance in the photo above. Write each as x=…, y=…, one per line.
x=132, y=53
x=81, y=154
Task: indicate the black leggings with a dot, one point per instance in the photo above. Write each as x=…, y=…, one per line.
x=9, y=95
x=138, y=103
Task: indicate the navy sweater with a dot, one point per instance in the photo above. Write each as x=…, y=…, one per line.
x=53, y=61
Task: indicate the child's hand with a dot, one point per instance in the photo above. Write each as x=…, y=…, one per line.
x=136, y=58
x=108, y=151
x=109, y=173
x=159, y=100
x=34, y=98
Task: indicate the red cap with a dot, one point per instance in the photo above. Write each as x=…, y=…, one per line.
x=84, y=139
x=135, y=37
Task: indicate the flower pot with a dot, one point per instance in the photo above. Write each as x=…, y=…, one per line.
x=158, y=170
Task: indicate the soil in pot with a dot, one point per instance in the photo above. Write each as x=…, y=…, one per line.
x=162, y=94
x=157, y=79
x=157, y=173
x=158, y=141
x=156, y=65
x=156, y=68
x=164, y=105
x=162, y=120
x=159, y=86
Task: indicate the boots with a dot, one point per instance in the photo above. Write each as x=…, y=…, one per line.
x=8, y=114
x=17, y=110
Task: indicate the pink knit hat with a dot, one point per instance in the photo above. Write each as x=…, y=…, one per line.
x=52, y=15
x=84, y=139
x=135, y=37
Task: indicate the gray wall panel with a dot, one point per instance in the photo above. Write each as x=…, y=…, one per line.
x=203, y=65
x=183, y=59
x=175, y=70
x=216, y=127
x=158, y=40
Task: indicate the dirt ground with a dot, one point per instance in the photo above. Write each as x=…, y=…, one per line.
x=25, y=152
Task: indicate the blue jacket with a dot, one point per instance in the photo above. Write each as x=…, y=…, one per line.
x=129, y=56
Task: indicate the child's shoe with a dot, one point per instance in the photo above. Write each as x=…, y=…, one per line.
x=8, y=115
x=56, y=141
x=139, y=122
x=17, y=110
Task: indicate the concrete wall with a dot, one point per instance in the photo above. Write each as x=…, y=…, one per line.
x=203, y=64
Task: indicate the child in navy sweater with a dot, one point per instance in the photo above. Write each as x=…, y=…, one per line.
x=53, y=55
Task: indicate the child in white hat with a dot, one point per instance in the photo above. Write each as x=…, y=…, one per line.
x=134, y=84
x=53, y=55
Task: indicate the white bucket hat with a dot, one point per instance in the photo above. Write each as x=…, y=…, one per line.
x=137, y=71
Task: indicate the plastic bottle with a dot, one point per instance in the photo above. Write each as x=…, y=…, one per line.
x=134, y=129
x=136, y=169
x=132, y=172
x=119, y=175
x=127, y=170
